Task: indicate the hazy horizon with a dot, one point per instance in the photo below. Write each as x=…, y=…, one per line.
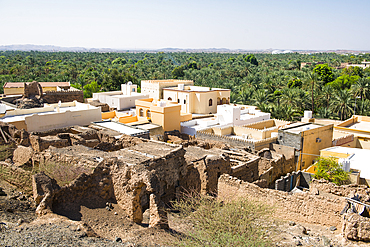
x=163, y=24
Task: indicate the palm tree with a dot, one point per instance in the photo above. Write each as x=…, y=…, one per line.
x=342, y=103
x=361, y=89
x=312, y=78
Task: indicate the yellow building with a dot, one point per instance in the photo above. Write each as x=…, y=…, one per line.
x=17, y=88
x=154, y=88
x=308, y=139
x=164, y=113
x=359, y=126
x=199, y=100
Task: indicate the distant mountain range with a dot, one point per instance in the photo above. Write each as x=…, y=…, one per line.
x=52, y=48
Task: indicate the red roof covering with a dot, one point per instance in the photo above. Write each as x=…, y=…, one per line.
x=43, y=84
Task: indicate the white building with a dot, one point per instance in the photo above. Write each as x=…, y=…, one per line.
x=53, y=116
x=123, y=99
x=232, y=115
x=154, y=88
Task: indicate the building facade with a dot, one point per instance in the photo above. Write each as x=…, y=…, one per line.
x=154, y=88
x=198, y=100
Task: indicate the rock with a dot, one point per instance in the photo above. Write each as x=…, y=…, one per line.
x=325, y=241
x=332, y=228
x=2, y=193
x=314, y=191
x=291, y=223
x=356, y=227
x=118, y=239
x=115, y=213
x=297, y=242
x=19, y=222
x=23, y=156
x=78, y=228
x=302, y=229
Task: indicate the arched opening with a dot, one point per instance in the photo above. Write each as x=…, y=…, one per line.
x=218, y=101
x=228, y=100
x=184, y=101
x=141, y=112
x=148, y=114
x=223, y=100
x=178, y=101
x=169, y=98
x=210, y=102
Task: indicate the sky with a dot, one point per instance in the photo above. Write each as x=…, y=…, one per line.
x=191, y=24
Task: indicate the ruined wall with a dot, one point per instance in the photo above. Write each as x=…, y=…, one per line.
x=246, y=171
x=52, y=97
x=301, y=207
x=345, y=190
x=271, y=169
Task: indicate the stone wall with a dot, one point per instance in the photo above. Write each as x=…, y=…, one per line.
x=301, y=207
x=237, y=142
x=52, y=97
x=345, y=190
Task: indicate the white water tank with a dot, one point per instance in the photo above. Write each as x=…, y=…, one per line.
x=2, y=108
x=307, y=114
x=181, y=86
x=346, y=164
x=161, y=103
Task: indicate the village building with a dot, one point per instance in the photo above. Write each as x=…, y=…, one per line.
x=227, y=115
x=120, y=100
x=197, y=100
x=52, y=116
x=353, y=160
x=164, y=113
x=155, y=87
x=308, y=139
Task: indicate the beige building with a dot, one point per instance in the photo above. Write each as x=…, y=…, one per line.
x=17, y=88
x=198, y=100
x=154, y=88
x=164, y=113
x=53, y=116
x=308, y=139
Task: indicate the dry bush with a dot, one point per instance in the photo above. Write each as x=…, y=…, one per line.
x=215, y=223
x=62, y=172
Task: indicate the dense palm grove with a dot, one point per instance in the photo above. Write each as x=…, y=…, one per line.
x=275, y=83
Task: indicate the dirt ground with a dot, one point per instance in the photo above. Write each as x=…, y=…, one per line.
x=19, y=226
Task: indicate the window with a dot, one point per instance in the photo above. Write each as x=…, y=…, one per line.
x=141, y=112
x=169, y=98
x=210, y=102
x=178, y=101
x=184, y=101
x=219, y=101
x=148, y=114
x=133, y=90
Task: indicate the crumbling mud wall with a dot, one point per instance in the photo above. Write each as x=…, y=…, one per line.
x=356, y=227
x=348, y=191
x=275, y=166
x=204, y=167
x=302, y=207
x=150, y=183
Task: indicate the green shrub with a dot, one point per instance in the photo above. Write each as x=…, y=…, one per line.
x=329, y=169
x=214, y=223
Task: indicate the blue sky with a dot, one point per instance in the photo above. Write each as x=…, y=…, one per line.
x=155, y=24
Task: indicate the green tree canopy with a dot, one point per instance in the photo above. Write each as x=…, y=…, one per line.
x=324, y=72
x=330, y=170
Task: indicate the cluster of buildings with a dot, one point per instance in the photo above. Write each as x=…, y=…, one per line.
x=205, y=113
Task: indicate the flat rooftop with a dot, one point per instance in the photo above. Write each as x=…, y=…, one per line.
x=359, y=160
x=360, y=126
x=121, y=128
x=16, y=118
x=297, y=128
